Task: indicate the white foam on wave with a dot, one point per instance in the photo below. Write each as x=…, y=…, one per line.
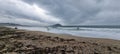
x=83, y=32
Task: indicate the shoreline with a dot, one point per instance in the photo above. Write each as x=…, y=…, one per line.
x=69, y=35
x=37, y=42
x=87, y=34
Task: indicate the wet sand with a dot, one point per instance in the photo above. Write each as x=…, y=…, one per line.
x=14, y=41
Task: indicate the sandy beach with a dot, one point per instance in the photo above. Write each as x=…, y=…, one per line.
x=14, y=41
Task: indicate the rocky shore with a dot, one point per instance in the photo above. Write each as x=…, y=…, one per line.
x=14, y=41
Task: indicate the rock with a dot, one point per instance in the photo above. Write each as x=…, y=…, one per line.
x=10, y=48
x=109, y=48
x=63, y=52
x=2, y=45
x=18, y=44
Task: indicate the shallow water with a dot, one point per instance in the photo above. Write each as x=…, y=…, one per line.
x=110, y=33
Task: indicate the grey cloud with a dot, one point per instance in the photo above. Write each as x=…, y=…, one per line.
x=68, y=11
x=22, y=10
x=83, y=11
x=73, y=11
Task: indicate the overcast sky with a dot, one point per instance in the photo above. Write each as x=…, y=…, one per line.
x=36, y=12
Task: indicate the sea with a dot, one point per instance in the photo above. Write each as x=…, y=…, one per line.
x=107, y=33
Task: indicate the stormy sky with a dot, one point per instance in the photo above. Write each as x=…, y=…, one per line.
x=44, y=12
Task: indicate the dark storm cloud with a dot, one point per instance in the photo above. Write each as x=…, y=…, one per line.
x=83, y=11
x=64, y=11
